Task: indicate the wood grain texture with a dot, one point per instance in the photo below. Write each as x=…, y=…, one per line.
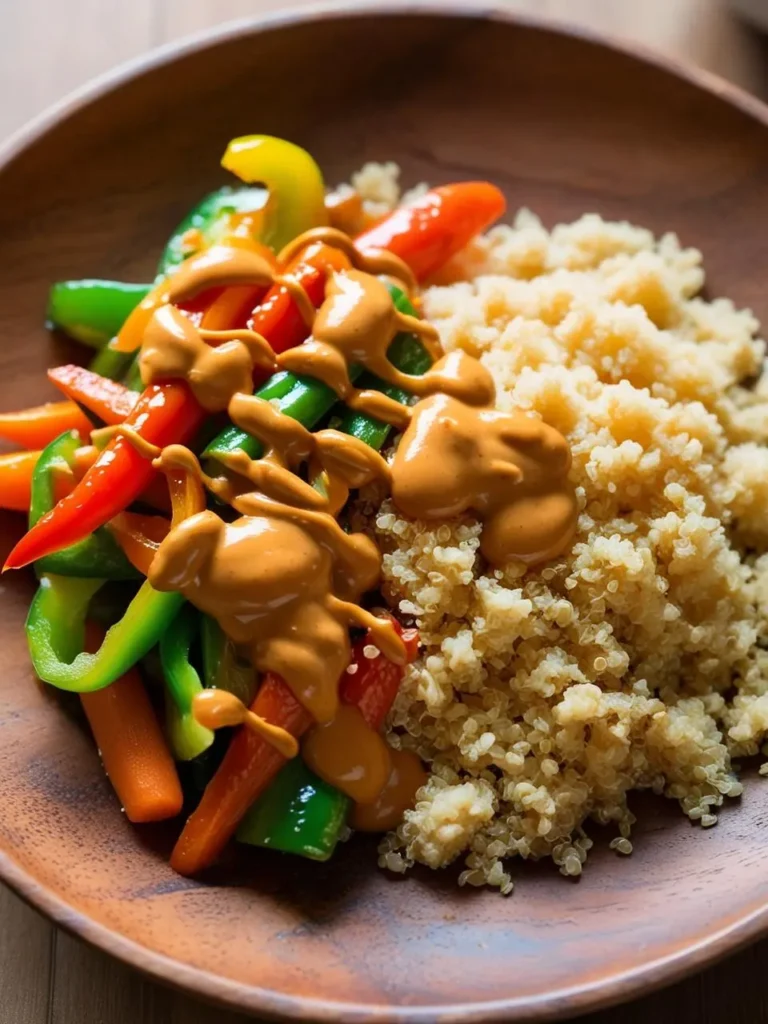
x=26, y=958
x=46, y=49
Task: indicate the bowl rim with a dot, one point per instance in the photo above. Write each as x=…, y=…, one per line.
x=567, y=1000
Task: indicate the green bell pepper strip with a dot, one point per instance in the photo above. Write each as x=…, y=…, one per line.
x=187, y=737
x=210, y=217
x=222, y=667
x=308, y=400
x=132, y=376
x=98, y=556
x=302, y=398
x=300, y=813
x=56, y=633
x=109, y=363
x=92, y=311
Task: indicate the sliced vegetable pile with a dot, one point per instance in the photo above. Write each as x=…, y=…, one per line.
x=99, y=508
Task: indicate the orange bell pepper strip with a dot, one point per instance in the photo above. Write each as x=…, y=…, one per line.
x=111, y=401
x=131, y=743
x=38, y=426
x=139, y=536
x=16, y=469
x=424, y=235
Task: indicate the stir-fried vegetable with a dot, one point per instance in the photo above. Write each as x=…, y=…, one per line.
x=55, y=627
x=188, y=738
x=96, y=556
x=86, y=489
x=16, y=471
x=223, y=668
x=107, y=399
x=37, y=427
x=423, y=235
x=93, y=311
x=300, y=813
x=249, y=766
x=132, y=747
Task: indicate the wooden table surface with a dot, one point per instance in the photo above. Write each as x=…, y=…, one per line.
x=48, y=47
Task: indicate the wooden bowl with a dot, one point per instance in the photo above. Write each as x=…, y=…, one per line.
x=565, y=123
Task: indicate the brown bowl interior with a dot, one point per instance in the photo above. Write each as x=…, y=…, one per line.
x=564, y=125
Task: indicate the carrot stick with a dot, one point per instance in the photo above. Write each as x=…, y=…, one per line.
x=133, y=749
x=248, y=767
x=38, y=426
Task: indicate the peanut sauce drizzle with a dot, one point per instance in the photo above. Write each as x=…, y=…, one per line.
x=385, y=811
x=217, y=709
x=349, y=755
x=284, y=579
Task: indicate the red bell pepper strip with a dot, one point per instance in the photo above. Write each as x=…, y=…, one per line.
x=38, y=426
x=374, y=685
x=426, y=234
x=108, y=399
x=248, y=767
x=165, y=414
x=437, y=226
x=251, y=762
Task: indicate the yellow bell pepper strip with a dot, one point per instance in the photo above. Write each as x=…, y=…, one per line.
x=295, y=204
x=293, y=180
x=38, y=426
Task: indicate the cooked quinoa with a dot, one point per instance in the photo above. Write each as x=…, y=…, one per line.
x=543, y=697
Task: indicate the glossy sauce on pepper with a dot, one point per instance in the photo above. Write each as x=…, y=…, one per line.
x=385, y=812
x=349, y=755
x=284, y=580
